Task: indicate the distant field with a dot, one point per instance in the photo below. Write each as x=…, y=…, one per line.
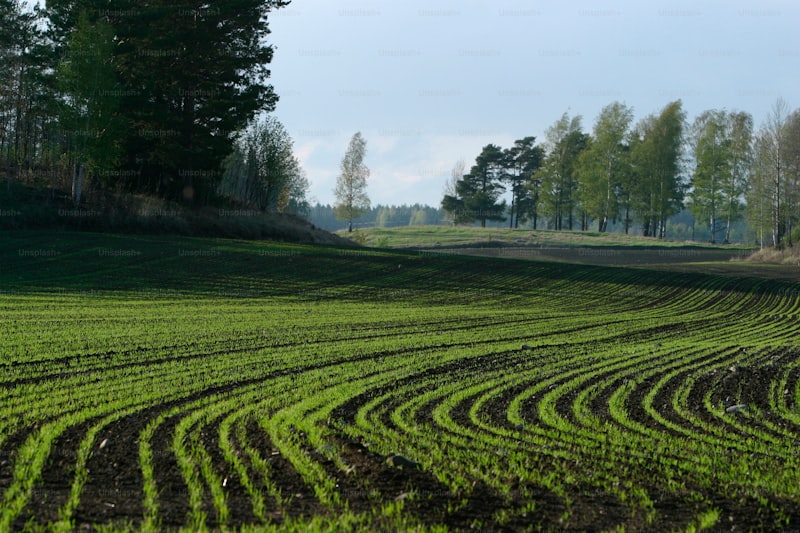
x=609, y=249
x=161, y=383
x=456, y=236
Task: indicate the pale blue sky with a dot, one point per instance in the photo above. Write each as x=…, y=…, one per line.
x=429, y=82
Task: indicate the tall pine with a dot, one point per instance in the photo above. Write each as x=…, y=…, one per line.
x=191, y=73
x=477, y=193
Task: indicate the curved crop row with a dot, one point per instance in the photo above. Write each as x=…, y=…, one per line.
x=397, y=392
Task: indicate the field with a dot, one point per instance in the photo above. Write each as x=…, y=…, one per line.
x=592, y=248
x=473, y=236
x=166, y=383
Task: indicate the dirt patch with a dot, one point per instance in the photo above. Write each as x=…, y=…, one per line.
x=677, y=259
x=113, y=490
x=299, y=498
x=52, y=489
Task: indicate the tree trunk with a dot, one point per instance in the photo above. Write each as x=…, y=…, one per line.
x=627, y=218
x=728, y=223
x=511, y=218
x=77, y=183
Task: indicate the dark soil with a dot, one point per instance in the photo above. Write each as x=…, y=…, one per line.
x=688, y=259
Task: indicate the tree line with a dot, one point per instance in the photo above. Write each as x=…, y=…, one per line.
x=145, y=97
x=377, y=216
x=718, y=167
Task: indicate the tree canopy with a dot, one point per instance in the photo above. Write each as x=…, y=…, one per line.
x=351, y=184
x=147, y=97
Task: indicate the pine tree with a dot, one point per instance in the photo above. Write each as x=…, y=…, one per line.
x=477, y=193
x=87, y=80
x=522, y=161
x=192, y=73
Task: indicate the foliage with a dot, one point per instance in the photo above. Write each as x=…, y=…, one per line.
x=189, y=75
x=603, y=169
x=565, y=141
x=351, y=184
x=263, y=171
x=722, y=153
x=87, y=80
x=522, y=161
x=791, y=162
x=477, y=193
x=657, y=155
x=768, y=195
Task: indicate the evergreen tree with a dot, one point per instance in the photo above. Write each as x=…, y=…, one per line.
x=193, y=73
x=477, y=193
x=522, y=161
x=88, y=82
x=23, y=93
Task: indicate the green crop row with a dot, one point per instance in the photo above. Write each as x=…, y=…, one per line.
x=280, y=387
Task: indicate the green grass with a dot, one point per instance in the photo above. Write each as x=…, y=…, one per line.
x=245, y=385
x=469, y=236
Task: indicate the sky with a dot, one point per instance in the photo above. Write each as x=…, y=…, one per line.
x=429, y=82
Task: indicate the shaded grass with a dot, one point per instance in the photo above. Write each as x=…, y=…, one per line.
x=463, y=236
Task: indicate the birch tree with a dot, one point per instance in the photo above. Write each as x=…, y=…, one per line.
x=603, y=166
x=351, y=184
x=712, y=147
x=564, y=142
x=657, y=155
x=456, y=174
x=769, y=177
x=262, y=171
